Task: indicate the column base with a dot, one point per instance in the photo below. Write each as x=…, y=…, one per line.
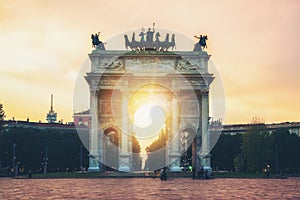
x=124, y=162
x=94, y=163
x=94, y=169
x=175, y=162
x=124, y=169
x=175, y=169
x=205, y=163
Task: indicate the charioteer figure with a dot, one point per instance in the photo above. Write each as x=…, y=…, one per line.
x=149, y=36
x=142, y=34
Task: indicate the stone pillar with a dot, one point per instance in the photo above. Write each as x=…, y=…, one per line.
x=94, y=154
x=174, y=157
x=205, y=150
x=124, y=155
x=130, y=135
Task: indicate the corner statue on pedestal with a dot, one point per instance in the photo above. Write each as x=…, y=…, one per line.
x=96, y=42
x=201, y=45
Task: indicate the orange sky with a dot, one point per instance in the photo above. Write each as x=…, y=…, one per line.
x=255, y=46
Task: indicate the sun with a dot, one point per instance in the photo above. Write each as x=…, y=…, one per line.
x=142, y=116
x=148, y=115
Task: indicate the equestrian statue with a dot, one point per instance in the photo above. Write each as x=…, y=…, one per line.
x=201, y=45
x=96, y=43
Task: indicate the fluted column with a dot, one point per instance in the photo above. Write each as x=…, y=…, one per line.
x=205, y=150
x=174, y=156
x=124, y=156
x=197, y=143
x=94, y=155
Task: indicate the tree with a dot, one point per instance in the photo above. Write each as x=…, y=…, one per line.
x=225, y=151
x=2, y=113
x=286, y=150
x=63, y=149
x=156, y=152
x=257, y=148
x=136, y=150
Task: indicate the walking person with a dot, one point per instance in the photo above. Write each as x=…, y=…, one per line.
x=163, y=174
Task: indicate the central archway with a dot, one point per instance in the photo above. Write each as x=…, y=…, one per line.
x=150, y=106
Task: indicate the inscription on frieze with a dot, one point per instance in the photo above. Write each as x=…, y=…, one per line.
x=150, y=65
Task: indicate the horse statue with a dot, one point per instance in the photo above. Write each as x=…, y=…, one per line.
x=142, y=41
x=165, y=44
x=172, y=43
x=157, y=43
x=134, y=44
x=127, y=42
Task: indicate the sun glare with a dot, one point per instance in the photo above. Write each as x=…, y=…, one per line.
x=142, y=116
x=149, y=115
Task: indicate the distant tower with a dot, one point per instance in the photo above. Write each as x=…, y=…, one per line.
x=51, y=116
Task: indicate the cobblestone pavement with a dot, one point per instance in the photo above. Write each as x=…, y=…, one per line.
x=148, y=188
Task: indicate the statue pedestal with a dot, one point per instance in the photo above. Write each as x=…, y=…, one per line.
x=124, y=164
x=94, y=163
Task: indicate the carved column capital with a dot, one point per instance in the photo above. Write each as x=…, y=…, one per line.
x=204, y=92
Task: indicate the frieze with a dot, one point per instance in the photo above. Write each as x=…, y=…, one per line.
x=189, y=81
x=190, y=108
x=149, y=65
x=115, y=65
x=110, y=81
x=106, y=63
x=185, y=65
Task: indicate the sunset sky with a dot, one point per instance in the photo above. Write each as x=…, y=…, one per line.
x=255, y=46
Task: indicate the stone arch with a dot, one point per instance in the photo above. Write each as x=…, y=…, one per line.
x=187, y=133
x=188, y=146
x=110, y=145
x=115, y=84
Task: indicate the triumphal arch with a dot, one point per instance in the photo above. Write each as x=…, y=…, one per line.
x=150, y=71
